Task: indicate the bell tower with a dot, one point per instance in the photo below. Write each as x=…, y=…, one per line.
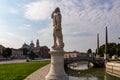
x=37, y=43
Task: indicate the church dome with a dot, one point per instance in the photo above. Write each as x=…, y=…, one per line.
x=32, y=44
x=25, y=46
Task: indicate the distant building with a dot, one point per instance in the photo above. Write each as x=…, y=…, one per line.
x=44, y=52
x=74, y=54
x=1, y=50
x=17, y=54
x=25, y=46
x=40, y=51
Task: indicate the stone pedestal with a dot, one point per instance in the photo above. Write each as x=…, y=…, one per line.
x=57, y=71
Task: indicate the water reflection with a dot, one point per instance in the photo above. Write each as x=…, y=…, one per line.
x=80, y=67
x=82, y=72
x=82, y=78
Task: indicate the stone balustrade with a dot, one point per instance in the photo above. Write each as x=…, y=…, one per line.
x=113, y=68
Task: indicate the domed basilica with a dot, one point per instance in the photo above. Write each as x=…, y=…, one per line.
x=40, y=51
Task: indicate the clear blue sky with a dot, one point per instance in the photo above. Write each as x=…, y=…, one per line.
x=25, y=20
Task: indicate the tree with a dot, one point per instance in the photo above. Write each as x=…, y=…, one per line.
x=118, y=50
x=25, y=51
x=7, y=52
x=112, y=49
x=32, y=55
x=89, y=52
x=101, y=50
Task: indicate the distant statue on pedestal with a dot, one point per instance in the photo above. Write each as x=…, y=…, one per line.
x=57, y=30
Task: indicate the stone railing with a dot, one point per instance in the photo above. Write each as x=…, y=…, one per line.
x=113, y=68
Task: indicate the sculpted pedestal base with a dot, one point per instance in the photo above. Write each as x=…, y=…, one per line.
x=57, y=71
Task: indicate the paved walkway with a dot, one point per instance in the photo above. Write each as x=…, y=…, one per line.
x=39, y=74
x=42, y=72
x=18, y=61
x=13, y=61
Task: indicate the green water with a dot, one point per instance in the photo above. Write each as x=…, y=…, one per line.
x=90, y=74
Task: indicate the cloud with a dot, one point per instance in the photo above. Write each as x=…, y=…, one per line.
x=39, y=10
x=45, y=36
x=47, y=32
x=2, y=25
x=10, y=39
x=6, y=8
x=13, y=10
x=14, y=36
x=25, y=27
x=81, y=18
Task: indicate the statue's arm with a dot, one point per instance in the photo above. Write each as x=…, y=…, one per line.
x=52, y=15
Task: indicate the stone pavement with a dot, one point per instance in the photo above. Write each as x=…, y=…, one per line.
x=39, y=74
x=18, y=61
x=13, y=61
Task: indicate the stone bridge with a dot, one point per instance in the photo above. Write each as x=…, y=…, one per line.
x=98, y=62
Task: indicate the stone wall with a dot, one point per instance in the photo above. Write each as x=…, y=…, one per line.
x=113, y=68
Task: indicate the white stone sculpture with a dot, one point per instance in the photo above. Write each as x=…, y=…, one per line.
x=57, y=71
x=57, y=30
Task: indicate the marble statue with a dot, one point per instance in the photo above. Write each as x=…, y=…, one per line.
x=57, y=30
x=57, y=71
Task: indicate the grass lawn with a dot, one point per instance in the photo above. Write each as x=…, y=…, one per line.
x=19, y=71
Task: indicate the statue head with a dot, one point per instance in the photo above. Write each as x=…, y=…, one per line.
x=57, y=9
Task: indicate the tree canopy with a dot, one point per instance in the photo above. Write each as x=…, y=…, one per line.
x=7, y=52
x=113, y=49
x=89, y=51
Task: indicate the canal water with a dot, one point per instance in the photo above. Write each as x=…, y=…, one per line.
x=81, y=72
